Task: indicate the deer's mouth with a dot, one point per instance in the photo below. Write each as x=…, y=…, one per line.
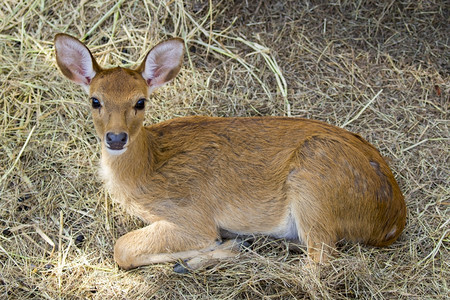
x=115, y=145
x=115, y=151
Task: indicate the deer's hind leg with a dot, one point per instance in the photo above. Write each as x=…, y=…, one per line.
x=319, y=239
x=313, y=189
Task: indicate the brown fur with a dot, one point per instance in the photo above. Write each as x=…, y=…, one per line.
x=191, y=177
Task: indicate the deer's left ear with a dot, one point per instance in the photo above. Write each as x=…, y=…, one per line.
x=162, y=63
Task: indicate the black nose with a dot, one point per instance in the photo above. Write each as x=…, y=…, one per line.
x=116, y=141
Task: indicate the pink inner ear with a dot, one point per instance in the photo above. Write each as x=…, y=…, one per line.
x=80, y=72
x=163, y=61
x=73, y=55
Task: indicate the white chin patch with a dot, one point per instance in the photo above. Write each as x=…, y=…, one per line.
x=115, y=152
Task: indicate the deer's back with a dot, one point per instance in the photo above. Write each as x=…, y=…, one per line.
x=240, y=170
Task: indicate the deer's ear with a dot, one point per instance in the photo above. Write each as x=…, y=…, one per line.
x=75, y=60
x=162, y=63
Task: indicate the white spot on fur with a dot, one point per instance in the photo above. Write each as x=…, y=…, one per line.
x=107, y=175
x=115, y=152
x=287, y=229
x=392, y=233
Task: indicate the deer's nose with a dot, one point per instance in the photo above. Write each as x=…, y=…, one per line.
x=116, y=141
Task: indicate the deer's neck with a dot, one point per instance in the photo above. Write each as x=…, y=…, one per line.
x=129, y=169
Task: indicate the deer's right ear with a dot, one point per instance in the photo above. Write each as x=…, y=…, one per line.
x=75, y=60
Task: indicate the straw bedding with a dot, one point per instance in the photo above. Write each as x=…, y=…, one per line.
x=378, y=68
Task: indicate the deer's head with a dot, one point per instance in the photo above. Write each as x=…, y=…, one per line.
x=118, y=95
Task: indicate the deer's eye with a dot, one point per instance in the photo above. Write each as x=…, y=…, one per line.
x=140, y=104
x=95, y=103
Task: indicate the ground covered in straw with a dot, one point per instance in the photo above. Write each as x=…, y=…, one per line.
x=378, y=68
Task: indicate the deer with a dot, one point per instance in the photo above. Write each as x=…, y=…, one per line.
x=193, y=178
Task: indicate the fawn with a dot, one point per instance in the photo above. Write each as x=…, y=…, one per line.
x=191, y=178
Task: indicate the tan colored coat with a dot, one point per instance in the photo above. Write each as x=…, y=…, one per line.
x=192, y=177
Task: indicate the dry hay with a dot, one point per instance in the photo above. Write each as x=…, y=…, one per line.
x=379, y=68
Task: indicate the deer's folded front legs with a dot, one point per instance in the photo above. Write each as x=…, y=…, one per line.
x=164, y=241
